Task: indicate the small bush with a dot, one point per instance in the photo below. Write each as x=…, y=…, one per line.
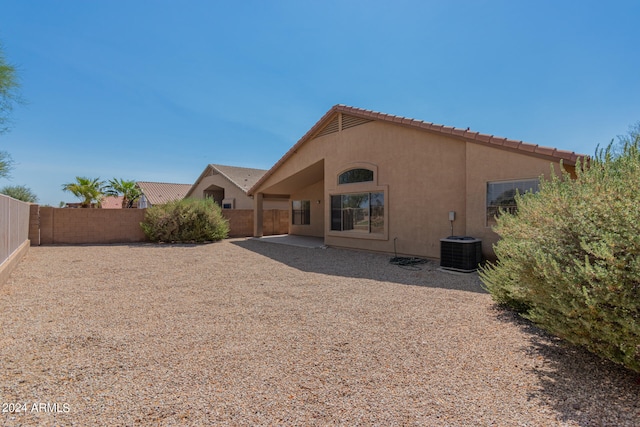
x=569, y=259
x=187, y=220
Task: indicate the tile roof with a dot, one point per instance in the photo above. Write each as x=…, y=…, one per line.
x=111, y=202
x=553, y=154
x=158, y=193
x=243, y=178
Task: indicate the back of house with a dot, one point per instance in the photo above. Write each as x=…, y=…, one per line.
x=367, y=180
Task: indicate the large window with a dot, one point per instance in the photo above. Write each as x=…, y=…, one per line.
x=355, y=175
x=301, y=212
x=359, y=212
x=501, y=196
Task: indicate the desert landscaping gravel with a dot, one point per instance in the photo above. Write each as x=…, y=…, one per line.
x=244, y=332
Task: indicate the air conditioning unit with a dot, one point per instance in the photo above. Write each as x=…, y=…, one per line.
x=460, y=253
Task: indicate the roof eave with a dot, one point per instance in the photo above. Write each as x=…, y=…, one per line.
x=567, y=157
x=202, y=175
x=307, y=136
x=228, y=178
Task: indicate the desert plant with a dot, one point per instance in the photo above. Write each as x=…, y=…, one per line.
x=89, y=190
x=9, y=95
x=6, y=164
x=187, y=220
x=19, y=192
x=127, y=189
x=569, y=258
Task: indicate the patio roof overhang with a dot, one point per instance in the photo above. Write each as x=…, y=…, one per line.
x=294, y=182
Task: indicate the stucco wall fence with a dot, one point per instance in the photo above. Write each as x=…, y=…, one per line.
x=49, y=226
x=14, y=233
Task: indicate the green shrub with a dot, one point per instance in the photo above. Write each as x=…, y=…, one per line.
x=187, y=220
x=569, y=259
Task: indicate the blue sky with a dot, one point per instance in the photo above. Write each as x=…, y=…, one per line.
x=156, y=90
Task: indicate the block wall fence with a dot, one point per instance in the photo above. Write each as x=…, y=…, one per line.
x=14, y=234
x=50, y=226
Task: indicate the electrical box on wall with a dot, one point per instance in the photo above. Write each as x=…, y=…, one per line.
x=229, y=204
x=452, y=215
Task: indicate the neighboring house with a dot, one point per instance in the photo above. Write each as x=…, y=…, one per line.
x=107, y=202
x=78, y=205
x=367, y=180
x=228, y=186
x=158, y=193
x=111, y=202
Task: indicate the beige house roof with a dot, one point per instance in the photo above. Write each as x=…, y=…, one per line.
x=158, y=193
x=352, y=116
x=243, y=178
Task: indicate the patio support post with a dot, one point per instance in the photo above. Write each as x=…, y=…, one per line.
x=257, y=215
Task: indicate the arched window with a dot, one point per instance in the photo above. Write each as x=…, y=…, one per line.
x=355, y=175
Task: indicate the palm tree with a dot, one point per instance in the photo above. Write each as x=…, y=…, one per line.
x=87, y=189
x=126, y=189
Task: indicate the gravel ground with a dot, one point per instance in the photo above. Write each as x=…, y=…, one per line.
x=244, y=332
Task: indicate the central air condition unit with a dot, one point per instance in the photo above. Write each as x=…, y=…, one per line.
x=460, y=253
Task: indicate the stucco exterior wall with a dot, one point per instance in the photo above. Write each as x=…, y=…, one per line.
x=230, y=191
x=488, y=164
x=272, y=204
x=424, y=175
x=314, y=193
x=421, y=174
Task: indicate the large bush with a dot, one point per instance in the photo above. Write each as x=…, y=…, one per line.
x=569, y=259
x=187, y=220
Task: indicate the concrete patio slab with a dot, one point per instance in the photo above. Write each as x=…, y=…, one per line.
x=292, y=240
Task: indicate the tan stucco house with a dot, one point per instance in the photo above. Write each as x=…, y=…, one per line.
x=366, y=180
x=228, y=186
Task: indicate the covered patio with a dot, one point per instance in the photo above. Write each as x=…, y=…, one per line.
x=307, y=183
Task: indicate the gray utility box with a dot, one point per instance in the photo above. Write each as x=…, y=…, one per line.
x=460, y=253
